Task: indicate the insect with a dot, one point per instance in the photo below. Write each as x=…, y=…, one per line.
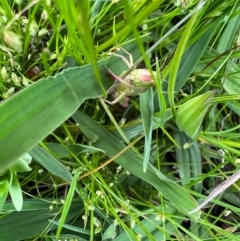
x=133, y=84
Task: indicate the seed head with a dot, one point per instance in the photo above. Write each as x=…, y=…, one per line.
x=13, y=41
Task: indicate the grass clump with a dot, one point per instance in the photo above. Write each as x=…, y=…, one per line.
x=74, y=167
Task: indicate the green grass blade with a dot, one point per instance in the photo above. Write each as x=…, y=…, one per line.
x=191, y=58
x=3, y=193
x=147, y=109
x=182, y=158
x=177, y=59
x=67, y=203
x=16, y=193
x=66, y=151
x=229, y=34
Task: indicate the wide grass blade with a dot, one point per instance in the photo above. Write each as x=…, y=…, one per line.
x=33, y=220
x=37, y=110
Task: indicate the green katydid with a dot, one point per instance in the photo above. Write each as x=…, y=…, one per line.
x=133, y=84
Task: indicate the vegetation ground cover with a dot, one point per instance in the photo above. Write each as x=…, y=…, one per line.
x=73, y=166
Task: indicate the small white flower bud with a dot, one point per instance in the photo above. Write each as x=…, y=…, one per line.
x=15, y=79
x=9, y=93
x=42, y=32
x=13, y=41
x=4, y=73
x=33, y=28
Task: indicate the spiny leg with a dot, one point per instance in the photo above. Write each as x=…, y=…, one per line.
x=129, y=62
x=116, y=100
x=117, y=77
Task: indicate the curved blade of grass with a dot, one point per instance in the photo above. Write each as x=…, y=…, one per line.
x=67, y=204
x=192, y=56
x=177, y=58
x=133, y=163
x=135, y=128
x=37, y=110
x=147, y=109
x=16, y=193
x=33, y=113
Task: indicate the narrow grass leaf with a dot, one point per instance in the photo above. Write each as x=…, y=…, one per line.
x=3, y=193
x=29, y=204
x=72, y=228
x=154, y=223
x=195, y=164
x=147, y=109
x=86, y=37
x=67, y=203
x=229, y=34
x=182, y=158
x=191, y=58
x=135, y=128
x=177, y=58
x=16, y=192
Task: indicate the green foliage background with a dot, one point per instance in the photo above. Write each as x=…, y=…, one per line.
x=102, y=172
